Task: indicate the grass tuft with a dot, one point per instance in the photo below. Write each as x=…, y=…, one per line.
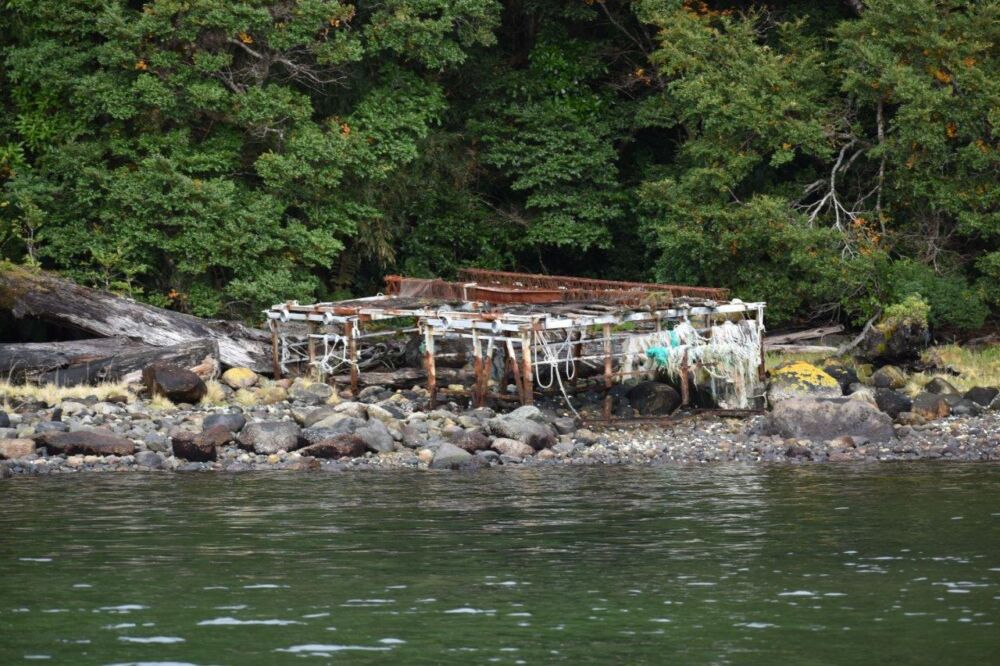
x=52, y=395
x=214, y=396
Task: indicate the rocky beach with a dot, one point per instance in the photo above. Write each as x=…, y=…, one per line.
x=250, y=423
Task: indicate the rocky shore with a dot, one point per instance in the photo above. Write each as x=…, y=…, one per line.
x=307, y=426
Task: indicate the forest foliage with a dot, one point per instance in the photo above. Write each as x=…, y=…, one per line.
x=216, y=156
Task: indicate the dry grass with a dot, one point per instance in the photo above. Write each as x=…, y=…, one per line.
x=976, y=367
x=246, y=398
x=161, y=403
x=214, y=396
x=52, y=394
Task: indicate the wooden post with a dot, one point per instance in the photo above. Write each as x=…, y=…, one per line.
x=608, y=377
x=516, y=367
x=429, y=365
x=275, y=353
x=311, y=344
x=352, y=356
x=762, y=370
x=478, y=397
x=527, y=378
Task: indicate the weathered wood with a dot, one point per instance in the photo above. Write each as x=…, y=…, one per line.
x=799, y=336
x=404, y=377
x=48, y=297
x=95, y=361
x=801, y=349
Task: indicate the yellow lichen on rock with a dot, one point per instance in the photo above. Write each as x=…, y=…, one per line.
x=238, y=378
x=806, y=374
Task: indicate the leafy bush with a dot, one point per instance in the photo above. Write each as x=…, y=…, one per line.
x=952, y=301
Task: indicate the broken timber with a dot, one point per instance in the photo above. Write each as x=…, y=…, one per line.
x=43, y=295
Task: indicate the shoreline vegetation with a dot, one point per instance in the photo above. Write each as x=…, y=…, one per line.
x=245, y=422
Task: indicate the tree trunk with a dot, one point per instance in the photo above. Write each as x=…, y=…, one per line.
x=51, y=298
x=95, y=361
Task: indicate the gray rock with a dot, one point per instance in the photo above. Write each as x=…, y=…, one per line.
x=966, y=407
x=564, y=425
x=930, y=406
x=489, y=457
x=471, y=440
x=93, y=442
x=158, y=442
x=12, y=449
x=529, y=412
x=534, y=434
x=892, y=402
x=376, y=437
x=8, y=433
x=449, y=456
x=564, y=448
x=356, y=409
x=4, y=419
x=234, y=422
x=585, y=436
x=51, y=426
x=845, y=376
x=149, y=459
x=940, y=387
x=314, y=416
x=512, y=448
x=653, y=398
x=270, y=436
x=823, y=419
x=314, y=393
x=888, y=377
x=413, y=438
x=981, y=395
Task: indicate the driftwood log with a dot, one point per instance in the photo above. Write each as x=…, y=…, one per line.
x=799, y=336
x=95, y=361
x=404, y=378
x=50, y=298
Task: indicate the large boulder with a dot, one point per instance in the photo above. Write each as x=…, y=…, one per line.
x=16, y=448
x=898, y=338
x=888, y=377
x=982, y=396
x=449, y=456
x=931, y=406
x=237, y=378
x=941, y=386
x=653, y=398
x=823, y=419
x=892, y=402
x=471, y=440
x=966, y=407
x=801, y=380
x=337, y=446
x=376, y=437
x=233, y=422
x=536, y=435
x=311, y=393
x=202, y=446
x=512, y=448
x=174, y=383
x=270, y=436
x=87, y=442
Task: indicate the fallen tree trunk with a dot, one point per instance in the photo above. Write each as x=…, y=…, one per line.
x=800, y=349
x=53, y=299
x=96, y=361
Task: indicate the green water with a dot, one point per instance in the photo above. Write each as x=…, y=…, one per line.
x=712, y=564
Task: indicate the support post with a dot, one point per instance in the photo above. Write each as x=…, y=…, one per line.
x=608, y=377
x=762, y=370
x=527, y=378
x=275, y=353
x=577, y=353
x=516, y=367
x=352, y=356
x=429, y=365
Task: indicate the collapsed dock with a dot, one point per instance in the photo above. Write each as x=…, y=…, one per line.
x=529, y=334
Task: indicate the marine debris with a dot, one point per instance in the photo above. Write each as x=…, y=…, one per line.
x=531, y=333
